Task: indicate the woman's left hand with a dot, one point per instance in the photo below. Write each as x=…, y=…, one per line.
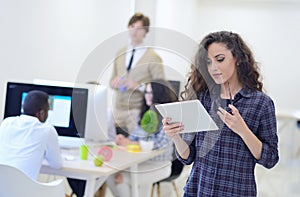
x=234, y=121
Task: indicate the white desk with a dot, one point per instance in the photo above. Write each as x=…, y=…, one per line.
x=290, y=114
x=86, y=170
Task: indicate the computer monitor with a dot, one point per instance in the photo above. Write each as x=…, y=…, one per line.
x=96, y=127
x=176, y=86
x=96, y=120
x=68, y=106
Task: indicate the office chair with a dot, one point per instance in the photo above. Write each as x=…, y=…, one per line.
x=176, y=170
x=15, y=183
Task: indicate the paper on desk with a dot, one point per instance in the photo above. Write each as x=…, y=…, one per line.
x=192, y=114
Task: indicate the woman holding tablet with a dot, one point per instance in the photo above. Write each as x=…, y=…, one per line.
x=226, y=80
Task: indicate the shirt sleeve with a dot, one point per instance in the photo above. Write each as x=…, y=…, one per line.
x=137, y=134
x=115, y=66
x=53, y=154
x=161, y=140
x=267, y=133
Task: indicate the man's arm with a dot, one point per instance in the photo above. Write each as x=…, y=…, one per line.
x=53, y=154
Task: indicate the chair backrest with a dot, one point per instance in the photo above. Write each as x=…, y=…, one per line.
x=177, y=167
x=14, y=183
x=176, y=170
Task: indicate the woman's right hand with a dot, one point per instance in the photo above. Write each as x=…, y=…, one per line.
x=172, y=129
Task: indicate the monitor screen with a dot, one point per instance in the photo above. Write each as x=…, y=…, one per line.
x=176, y=86
x=68, y=106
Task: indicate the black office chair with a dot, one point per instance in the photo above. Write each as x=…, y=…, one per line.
x=176, y=170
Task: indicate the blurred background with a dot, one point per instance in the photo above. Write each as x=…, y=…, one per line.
x=55, y=40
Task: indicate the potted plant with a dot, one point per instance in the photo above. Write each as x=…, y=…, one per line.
x=149, y=124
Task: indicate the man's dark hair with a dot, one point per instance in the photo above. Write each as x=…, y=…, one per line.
x=35, y=101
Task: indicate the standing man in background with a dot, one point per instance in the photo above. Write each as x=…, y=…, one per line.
x=26, y=140
x=134, y=65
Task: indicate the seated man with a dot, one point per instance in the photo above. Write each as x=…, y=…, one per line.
x=26, y=140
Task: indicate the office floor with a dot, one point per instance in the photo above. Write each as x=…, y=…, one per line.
x=282, y=180
x=167, y=189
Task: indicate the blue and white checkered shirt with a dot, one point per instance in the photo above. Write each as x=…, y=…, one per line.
x=222, y=163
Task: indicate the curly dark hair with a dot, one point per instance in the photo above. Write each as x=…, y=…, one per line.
x=247, y=69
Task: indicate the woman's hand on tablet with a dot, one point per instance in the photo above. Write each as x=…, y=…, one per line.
x=172, y=129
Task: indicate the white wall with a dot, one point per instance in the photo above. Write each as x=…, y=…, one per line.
x=271, y=28
x=63, y=40
x=51, y=39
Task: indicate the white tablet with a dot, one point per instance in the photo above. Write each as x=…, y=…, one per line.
x=192, y=114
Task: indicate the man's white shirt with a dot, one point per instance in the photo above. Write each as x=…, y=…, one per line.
x=25, y=142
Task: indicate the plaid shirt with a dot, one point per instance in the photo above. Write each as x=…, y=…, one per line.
x=161, y=141
x=223, y=164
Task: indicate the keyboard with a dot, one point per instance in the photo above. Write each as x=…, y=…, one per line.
x=70, y=142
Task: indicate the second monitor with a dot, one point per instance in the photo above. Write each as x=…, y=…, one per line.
x=96, y=120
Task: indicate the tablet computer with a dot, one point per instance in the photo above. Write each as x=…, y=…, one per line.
x=192, y=114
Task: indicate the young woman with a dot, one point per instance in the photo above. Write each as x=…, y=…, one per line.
x=156, y=92
x=225, y=78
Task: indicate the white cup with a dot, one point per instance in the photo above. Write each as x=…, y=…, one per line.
x=146, y=145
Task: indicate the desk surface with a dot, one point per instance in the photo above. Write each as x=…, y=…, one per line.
x=82, y=168
x=291, y=114
x=86, y=170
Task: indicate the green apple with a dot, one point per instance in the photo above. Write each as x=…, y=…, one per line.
x=98, y=160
